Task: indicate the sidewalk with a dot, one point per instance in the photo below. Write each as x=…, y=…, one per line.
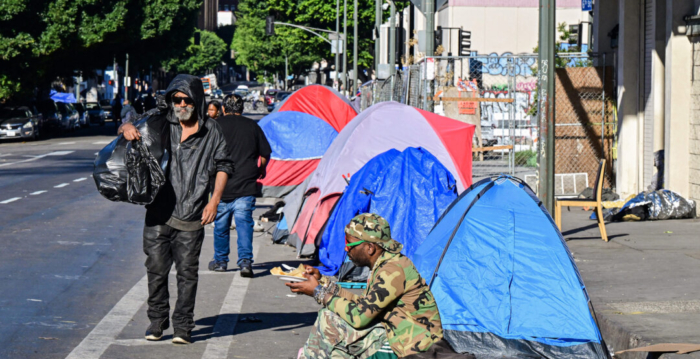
x=644, y=283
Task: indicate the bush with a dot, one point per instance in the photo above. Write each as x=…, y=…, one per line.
x=526, y=158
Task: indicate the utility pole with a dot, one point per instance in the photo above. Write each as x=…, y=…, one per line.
x=337, y=42
x=377, y=33
x=115, y=77
x=392, y=47
x=345, y=44
x=126, y=78
x=354, y=52
x=430, y=27
x=286, y=72
x=546, y=79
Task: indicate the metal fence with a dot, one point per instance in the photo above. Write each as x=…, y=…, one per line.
x=498, y=95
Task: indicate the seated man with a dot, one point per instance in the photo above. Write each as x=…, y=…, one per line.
x=395, y=318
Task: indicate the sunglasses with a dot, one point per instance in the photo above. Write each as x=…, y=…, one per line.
x=179, y=100
x=350, y=246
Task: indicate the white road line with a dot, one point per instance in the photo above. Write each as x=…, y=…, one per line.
x=10, y=200
x=106, y=331
x=102, y=142
x=37, y=192
x=23, y=161
x=59, y=153
x=218, y=345
x=80, y=179
x=5, y=154
x=61, y=185
x=66, y=143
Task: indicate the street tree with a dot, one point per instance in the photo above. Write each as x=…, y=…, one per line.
x=43, y=39
x=201, y=57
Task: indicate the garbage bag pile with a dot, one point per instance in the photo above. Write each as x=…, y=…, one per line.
x=654, y=205
x=134, y=171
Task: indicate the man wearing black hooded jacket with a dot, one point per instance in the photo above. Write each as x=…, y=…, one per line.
x=174, y=228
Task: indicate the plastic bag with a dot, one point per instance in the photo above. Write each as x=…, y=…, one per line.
x=661, y=204
x=134, y=171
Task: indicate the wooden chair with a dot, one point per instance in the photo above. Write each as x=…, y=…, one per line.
x=585, y=202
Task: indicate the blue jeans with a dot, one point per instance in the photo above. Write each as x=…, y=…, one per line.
x=242, y=211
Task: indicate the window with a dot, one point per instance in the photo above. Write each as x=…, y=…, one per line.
x=226, y=7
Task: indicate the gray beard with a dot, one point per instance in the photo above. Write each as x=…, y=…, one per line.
x=181, y=115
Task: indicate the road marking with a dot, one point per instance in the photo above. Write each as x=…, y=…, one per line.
x=60, y=153
x=23, y=161
x=219, y=344
x=66, y=143
x=80, y=179
x=106, y=331
x=102, y=142
x=37, y=192
x=10, y=200
x=5, y=154
x=61, y=185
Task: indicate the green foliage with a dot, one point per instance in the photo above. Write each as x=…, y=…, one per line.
x=43, y=39
x=527, y=158
x=199, y=58
x=267, y=53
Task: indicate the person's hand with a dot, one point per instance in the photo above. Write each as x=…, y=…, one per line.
x=209, y=213
x=130, y=132
x=306, y=287
x=310, y=271
x=262, y=172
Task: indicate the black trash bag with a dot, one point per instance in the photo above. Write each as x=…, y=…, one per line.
x=658, y=205
x=349, y=272
x=605, y=195
x=274, y=214
x=140, y=184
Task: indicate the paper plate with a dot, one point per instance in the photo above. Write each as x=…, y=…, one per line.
x=288, y=278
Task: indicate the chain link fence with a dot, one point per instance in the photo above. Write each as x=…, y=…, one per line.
x=498, y=94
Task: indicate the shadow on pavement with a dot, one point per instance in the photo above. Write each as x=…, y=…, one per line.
x=255, y=322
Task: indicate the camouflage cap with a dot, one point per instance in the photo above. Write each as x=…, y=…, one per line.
x=371, y=227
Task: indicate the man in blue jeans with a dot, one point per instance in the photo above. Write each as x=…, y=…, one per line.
x=249, y=150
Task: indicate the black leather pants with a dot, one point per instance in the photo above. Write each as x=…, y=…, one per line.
x=163, y=245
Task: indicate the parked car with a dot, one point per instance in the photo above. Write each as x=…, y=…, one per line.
x=279, y=97
x=270, y=96
x=95, y=113
x=217, y=93
x=52, y=116
x=106, y=106
x=19, y=122
x=82, y=119
x=241, y=90
x=71, y=117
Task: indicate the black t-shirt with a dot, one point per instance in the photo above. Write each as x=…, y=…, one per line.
x=246, y=143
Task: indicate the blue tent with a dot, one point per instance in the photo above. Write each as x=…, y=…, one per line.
x=411, y=189
x=504, y=279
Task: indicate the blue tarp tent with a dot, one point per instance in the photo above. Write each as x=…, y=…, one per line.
x=62, y=97
x=411, y=189
x=506, y=284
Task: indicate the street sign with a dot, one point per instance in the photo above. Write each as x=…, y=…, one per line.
x=336, y=46
x=420, y=4
x=586, y=5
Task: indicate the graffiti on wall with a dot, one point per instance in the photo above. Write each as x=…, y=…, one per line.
x=503, y=64
x=524, y=100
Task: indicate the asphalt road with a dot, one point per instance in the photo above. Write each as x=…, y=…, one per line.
x=72, y=275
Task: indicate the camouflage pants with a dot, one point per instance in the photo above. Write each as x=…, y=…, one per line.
x=333, y=338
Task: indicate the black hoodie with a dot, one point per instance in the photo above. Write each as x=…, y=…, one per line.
x=181, y=201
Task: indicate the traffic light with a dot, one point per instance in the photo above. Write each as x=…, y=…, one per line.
x=111, y=82
x=438, y=37
x=270, y=25
x=136, y=82
x=465, y=42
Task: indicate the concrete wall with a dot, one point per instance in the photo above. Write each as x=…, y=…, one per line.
x=502, y=29
x=694, y=139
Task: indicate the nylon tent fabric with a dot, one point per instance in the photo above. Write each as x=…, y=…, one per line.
x=385, y=126
x=320, y=101
x=507, y=284
x=298, y=141
x=410, y=189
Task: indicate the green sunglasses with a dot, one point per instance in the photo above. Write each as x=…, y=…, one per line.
x=349, y=246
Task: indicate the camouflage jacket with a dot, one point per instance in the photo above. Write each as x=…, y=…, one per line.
x=397, y=296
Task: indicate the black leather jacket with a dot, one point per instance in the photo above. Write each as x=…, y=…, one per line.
x=181, y=201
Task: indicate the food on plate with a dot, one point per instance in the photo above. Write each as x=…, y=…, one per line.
x=298, y=272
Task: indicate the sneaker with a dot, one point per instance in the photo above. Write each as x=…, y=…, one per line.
x=182, y=336
x=246, y=268
x=155, y=330
x=217, y=266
